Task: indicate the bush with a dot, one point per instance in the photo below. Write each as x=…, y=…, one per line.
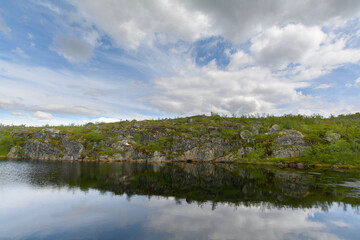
x=107, y=151
x=6, y=143
x=340, y=151
x=94, y=137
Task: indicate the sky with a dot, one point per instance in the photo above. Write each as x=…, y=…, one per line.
x=76, y=61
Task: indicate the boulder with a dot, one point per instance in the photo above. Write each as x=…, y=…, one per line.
x=290, y=143
x=332, y=137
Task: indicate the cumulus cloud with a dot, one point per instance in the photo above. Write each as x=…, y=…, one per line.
x=245, y=91
x=42, y=115
x=20, y=52
x=329, y=56
x=239, y=60
x=139, y=22
x=274, y=49
x=72, y=49
x=191, y=20
x=3, y=27
x=277, y=47
x=282, y=45
x=251, y=83
x=237, y=20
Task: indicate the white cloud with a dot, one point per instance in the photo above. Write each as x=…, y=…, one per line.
x=104, y=120
x=192, y=20
x=18, y=114
x=239, y=20
x=70, y=110
x=3, y=27
x=42, y=115
x=113, y=97
x=273, y=47
x=139, y=22
x=277, y=47
x=323, y=86
x=72, y=49
x=7, y=104
x=327, y=58
x=249, y=90
x=20, y=52
x=239, y=60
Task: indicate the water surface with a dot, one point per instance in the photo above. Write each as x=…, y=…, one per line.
x=74, y=200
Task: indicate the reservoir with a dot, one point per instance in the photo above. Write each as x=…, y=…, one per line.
x=141, y=200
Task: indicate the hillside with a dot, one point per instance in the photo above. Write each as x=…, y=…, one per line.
x=285, y=139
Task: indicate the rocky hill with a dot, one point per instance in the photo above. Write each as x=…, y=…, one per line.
x=198, y=138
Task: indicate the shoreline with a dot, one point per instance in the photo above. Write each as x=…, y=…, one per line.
x=287, y=165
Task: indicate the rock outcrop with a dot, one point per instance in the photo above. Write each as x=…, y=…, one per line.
x=289, y=144
x=48, y=144
x=131, y=143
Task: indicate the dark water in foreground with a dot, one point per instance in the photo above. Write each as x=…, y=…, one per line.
x=71, y=200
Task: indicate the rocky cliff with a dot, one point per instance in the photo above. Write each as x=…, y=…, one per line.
x=198, y=138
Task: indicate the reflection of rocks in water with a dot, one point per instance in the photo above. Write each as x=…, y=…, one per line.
x=201, y=182
x=295, y=190
x=293, y=184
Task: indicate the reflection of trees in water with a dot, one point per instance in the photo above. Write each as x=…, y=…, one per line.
x=249, y=186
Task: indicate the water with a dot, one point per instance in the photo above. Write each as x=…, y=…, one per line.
x=73, y=200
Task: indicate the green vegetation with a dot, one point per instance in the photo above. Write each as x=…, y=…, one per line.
x=332, y=141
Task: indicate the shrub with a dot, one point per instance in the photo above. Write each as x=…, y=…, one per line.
x=94, y=136
x=6, y=143
x=107, y=151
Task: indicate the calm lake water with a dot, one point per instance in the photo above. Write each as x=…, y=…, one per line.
x=74, y=200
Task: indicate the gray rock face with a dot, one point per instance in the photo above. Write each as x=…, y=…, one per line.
x=290, y=143
x=35, y=149
x=49, y=144
x=206, y=152
x=128, y=144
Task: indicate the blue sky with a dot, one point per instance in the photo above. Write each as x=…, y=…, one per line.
x=75, y=61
